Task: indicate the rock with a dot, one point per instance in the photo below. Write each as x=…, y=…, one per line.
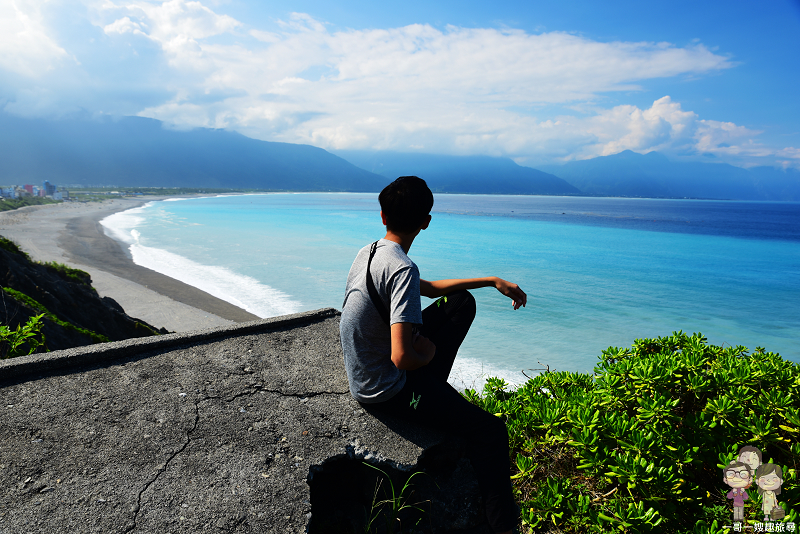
x=69, y=298
x=246, y=481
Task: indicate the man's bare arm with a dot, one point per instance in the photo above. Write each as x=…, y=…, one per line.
x=442, y=287
x=410, y=351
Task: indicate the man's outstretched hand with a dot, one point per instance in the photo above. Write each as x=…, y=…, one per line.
x=512, y=291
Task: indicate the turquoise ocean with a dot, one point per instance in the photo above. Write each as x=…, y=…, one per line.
x=598, y=272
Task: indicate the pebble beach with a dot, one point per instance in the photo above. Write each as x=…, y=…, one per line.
x=71, y=233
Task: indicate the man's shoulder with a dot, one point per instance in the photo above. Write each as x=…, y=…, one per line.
x=392, y=253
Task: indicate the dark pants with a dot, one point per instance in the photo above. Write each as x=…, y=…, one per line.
x=429, y=400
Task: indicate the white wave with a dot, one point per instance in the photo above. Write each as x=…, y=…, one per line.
x=240, y=290
x=472, y=373
x=121, y=225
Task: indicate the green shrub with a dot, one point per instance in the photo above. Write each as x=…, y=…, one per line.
x=7, y=204
x=68, y=273
x=10, y=246
x=640, y=445
x=23, y=340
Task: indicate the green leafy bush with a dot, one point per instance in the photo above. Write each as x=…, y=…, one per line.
x=7, y=204
x=69, y=273
x=10, y=246
x=640, y=445
x=23, y=340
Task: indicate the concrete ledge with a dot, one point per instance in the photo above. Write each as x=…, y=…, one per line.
x=105, y=352
x=244, y=429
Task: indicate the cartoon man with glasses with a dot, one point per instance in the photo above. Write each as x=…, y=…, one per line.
x=738, y=476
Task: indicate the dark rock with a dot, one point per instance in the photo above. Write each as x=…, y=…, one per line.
x=68, y=296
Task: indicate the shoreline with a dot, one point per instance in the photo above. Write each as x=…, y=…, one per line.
x=71, y=233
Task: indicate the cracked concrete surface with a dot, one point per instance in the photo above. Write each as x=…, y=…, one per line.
x=208, y=434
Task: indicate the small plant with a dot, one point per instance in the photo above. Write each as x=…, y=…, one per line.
x=35, y=305
x=396, y=504
x=23, y=340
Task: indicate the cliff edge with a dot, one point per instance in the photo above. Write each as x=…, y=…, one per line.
x=244, y=428
x=74, y=314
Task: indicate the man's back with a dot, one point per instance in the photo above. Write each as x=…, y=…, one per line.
x=366, y=340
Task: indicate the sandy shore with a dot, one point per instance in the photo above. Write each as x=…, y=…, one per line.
x=71, y=233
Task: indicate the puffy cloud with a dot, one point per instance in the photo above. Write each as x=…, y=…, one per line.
x=452, y=90
x=177, y=26
x=667, y=128
x=26, y=47
x=661, y=126
x=417, y=86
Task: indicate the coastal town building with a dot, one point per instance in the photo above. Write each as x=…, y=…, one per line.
x=30, y=190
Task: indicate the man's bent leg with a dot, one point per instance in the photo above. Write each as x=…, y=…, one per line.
x=430, y=402
x=446, y=323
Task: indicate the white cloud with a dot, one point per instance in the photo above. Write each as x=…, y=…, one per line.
x=664, y=125
x=26, y=48
x=453, y=90
x=124, y=25
x=177, y=26
x=447, y=90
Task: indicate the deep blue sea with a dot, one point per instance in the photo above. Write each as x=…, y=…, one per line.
x=599, y=272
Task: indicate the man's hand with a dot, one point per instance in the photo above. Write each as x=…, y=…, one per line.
x=423, y=346
x=513, y=292
x=410, y=351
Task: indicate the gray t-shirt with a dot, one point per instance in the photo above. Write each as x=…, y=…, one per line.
x=366, y=339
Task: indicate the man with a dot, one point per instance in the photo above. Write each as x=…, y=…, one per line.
x=398, y=356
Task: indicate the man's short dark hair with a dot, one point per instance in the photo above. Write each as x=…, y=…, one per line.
x=406, y=203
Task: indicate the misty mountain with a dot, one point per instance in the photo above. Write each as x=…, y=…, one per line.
x=461, y=174
x=653, y=175
x=136, y=151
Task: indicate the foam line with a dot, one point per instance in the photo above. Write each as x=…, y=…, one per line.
x=240, y=290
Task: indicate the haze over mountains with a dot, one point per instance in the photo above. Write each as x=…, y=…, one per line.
x=135, y=151
x=461, y=174
x=653, y=175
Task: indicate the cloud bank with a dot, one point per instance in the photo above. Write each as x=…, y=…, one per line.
x=535, y=97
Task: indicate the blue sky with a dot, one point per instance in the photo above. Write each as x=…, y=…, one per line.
x=541, y=82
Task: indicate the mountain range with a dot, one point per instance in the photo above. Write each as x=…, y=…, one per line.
x=653, y=175
x=136, y=151
x=462, y=174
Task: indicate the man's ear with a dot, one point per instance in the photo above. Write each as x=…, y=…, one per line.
x=383, y=218
x=427, y=222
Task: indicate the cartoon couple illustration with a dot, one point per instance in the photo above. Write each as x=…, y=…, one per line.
x=768, y=477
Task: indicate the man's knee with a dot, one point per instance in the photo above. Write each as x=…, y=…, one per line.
x=464, y=301
x=497, y=429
